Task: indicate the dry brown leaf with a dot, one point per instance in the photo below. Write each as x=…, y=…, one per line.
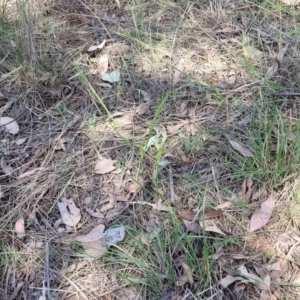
x=188, y=272
x=262, y=215
x=246, y=190
x=175, y=128
x=6, y=168
x=228, y=280
x=208, y=214
x=96, y=242
x=9, y=125
x=104, y=166
x=283, y=264
x=92, y=236
x=134, y=187
x=110, y=205
x=103, y=64
x=240, y=148
x=93, y=48
x=60, y=145
x=95, y=249
x=30, y=173
x=20, y=228
x=276, y=62
x=214, y=229
x=281, y=53
x=271, y=72
x=224, y=205
x=143, y=107
x=20, y=141
x=122, y=198
x=105, y=85
x=70, y=214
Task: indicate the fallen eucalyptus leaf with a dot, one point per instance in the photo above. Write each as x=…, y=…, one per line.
x=20, y=228
x=93, y=235
x=228, y=280
x=9, y=125
x=6, y=168
x=20, y=141
x=104, y=166
x=240, y=148
x=70, y=214
x=93, y=48
x=103, y=64
x=111, y=77
x=263, y=214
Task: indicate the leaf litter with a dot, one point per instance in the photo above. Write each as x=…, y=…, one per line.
x=9, y=125
x=240, y=148
x=70, y=214
x=96, y=242
x=263, y=214
x=7, y=170
x=20, y=228
x=104, y=166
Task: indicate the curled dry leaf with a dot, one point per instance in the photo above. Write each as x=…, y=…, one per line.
x=263, y=214
x=6, y=168
x=9, y=125
x=228, y=280
x=240, y=148
x=143, y=107
x=20, y=228
x=276, y=62
x=103, y=64
x=104, y=166
x=93, y=48
x=70, y=214
x=134, y=187
x=110, y=205
x=246, y=190
x=214, y=229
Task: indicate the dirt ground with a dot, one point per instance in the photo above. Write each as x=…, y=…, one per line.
x=149, y=149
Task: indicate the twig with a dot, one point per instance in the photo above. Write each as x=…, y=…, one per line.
x=170, y=173
x=288, y=94
x=47, y=269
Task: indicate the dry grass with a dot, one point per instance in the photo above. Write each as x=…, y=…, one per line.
x=203, y=63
